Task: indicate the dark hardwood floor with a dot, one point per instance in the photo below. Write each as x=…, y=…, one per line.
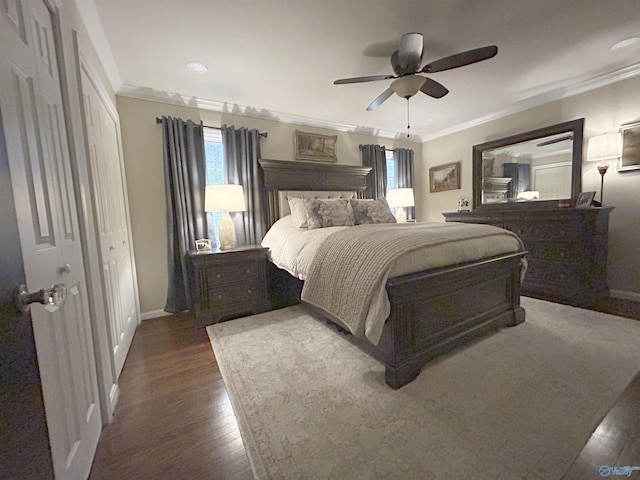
x=173, y=419
x=614, y=447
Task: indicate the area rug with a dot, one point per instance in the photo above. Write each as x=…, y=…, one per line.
x=519, y=403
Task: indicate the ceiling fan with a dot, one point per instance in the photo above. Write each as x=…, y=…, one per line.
x=406, y=62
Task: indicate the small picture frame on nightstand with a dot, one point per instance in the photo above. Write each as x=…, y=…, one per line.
x=585, y=199
x=203, y=245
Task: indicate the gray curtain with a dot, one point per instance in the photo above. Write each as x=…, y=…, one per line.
x=405, y=175
x=374, y=156
x=242, y=152
x=185, y=180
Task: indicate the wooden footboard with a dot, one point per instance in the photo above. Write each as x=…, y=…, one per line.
x=434, y=312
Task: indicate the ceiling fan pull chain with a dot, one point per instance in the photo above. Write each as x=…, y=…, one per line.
x=408, y=122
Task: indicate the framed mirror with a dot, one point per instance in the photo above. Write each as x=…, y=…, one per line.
x=538, y=168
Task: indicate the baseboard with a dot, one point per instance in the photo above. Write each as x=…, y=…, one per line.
x=624, y=295
x=153, y=314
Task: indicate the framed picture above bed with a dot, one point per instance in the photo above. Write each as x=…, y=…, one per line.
x=444, y=177
x=315, y=147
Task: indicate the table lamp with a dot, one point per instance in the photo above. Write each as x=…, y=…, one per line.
x=400, y=198
x=602, y=148
x=225, y=198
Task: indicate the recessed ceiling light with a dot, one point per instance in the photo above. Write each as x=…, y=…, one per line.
x=625, y=43
x=196, y=67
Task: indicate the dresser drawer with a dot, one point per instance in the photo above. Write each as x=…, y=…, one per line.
x=553, y=275
x=236, y=293
x=233, y=273
x=555, y=251
x=549, y=230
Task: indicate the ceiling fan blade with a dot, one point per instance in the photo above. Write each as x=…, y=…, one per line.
x=434, y=89
x=409, y=56
x=461, y=59
x=371, y=78
x=379, y=99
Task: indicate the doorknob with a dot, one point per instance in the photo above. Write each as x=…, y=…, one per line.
x=55, y=295
x=66, y=268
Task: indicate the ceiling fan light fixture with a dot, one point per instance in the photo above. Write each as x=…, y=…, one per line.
x=407, y=86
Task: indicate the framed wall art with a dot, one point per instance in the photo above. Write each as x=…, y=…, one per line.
x=315, y=147
x=630, y=159
x=444, y=177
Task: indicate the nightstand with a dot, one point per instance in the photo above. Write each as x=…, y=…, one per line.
x=228, y=283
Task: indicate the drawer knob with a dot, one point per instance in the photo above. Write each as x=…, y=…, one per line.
x=249, y=291
x=248, y=270
x=219, y=297
x=218, y=275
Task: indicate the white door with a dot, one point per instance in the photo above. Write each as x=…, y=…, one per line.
x=36, y=141
x=109, y=203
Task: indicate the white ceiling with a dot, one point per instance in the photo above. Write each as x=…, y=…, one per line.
x=279, y=58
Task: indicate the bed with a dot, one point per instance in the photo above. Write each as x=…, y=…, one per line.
x=430, y=311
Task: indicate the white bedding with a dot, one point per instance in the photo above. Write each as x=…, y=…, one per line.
x=293, y=249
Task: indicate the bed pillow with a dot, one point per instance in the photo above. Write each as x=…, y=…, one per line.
x=298, y=211
x=371, y=211
x=328, y=213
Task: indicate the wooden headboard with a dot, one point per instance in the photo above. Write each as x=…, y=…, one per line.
x=283, y=175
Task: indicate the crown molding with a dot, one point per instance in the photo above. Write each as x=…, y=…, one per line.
x=145, y=93
x=541, y=99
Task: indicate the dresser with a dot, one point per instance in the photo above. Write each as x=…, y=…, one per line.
x=567, y=259
x=228, y=283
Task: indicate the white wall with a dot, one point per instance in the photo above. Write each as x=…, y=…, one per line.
x=142, y=146
x=604, y=110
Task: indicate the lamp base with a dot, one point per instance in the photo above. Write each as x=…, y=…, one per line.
x=227, y=232
x=602, y=169
x=401, y=215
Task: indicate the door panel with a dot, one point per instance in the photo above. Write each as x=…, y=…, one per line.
x=38, y=156
x=31, y=164
x=112, y=225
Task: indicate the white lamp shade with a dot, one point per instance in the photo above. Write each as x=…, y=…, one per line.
x=407, y=86
x=227, y=198
x=401, y=197
x=604, y=147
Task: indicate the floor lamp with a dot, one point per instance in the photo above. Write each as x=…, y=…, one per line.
x=225, y=198
x=602, y=148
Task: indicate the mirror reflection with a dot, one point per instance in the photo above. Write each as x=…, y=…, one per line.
x=538, y=169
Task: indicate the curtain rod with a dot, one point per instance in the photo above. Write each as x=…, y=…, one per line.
x=262, y=134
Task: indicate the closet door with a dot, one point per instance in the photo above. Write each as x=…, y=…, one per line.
x=36, y=145
x=110, y=208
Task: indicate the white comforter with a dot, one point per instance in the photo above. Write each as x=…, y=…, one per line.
x=293, y=249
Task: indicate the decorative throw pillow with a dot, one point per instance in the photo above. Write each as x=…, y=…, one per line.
x=298, y=211
x=328, y=213
x=371, y=211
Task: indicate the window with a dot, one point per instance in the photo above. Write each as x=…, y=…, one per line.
x=216, y=174
x=392, y=171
